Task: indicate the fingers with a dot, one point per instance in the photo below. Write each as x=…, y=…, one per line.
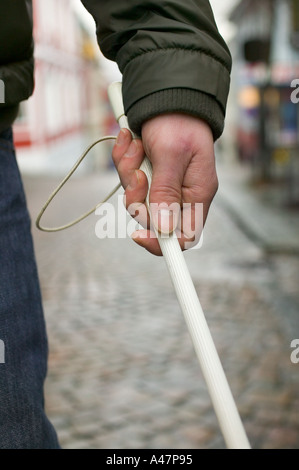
x=188, y=231
x=127, y=155
x=169, y=153
x=189, y=219
x=184, y=179
x=147, y=239
x=134, y=198
x=165, y=197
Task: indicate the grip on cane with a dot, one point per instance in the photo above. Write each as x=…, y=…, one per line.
x=116, y=101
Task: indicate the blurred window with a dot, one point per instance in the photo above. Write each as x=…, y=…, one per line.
x=295, y=22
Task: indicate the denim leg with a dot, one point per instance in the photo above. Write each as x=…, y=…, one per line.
x=23, y=423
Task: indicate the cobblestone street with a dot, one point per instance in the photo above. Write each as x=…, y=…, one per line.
x=123, y=373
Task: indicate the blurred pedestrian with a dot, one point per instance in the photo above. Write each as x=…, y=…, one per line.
x=176, y=73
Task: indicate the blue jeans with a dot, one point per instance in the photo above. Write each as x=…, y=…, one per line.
x=24, y=350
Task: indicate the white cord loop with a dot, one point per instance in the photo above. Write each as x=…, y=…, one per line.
x=63, y=182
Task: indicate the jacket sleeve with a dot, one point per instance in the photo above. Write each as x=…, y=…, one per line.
x=170, y=54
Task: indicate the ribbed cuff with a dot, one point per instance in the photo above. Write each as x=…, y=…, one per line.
x=181, y=100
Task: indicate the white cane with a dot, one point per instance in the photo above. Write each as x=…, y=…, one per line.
x=220, y=393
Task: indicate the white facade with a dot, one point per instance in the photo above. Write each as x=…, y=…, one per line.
x=284, y=57
x=54, y=125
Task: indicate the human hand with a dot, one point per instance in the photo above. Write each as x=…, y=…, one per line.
x=181, y=150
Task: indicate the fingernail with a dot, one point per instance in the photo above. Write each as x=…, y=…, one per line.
x=164, y=221
x=121, y=138
x=138, y=236
x=132, y=149
x=134, y=181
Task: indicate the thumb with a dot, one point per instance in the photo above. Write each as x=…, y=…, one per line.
x=166, y=193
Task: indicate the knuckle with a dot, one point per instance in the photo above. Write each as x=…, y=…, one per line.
x=166, y=193
x=214, y=184
x=177, y=147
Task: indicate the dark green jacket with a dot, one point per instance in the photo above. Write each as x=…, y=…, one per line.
x=170, y=53
x=16, y=57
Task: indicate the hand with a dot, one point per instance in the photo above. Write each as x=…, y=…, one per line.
x=181, y=150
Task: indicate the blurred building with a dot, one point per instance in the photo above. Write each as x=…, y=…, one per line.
x=67, y=109
x=265, y=79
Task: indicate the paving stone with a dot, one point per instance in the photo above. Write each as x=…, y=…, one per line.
x=123, y=372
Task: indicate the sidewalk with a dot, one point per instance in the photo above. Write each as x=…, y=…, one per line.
x=122, y=369
x=269, y=223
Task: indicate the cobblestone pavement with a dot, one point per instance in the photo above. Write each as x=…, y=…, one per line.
x=123, y=373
